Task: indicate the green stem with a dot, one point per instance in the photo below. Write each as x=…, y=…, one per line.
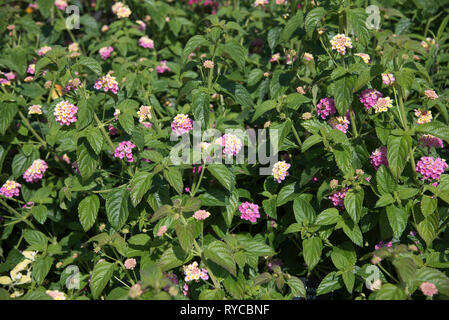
x=198, y=183
x=17, y=214
x=384, y=270
x=354, y=127
x=28, y=125
x=296, y=134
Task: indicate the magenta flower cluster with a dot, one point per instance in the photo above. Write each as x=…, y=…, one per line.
x=162, y=67
x=369, y=97
x=181, y=124
x=107, y=83
x=338, y=199
x=249, y=211
x=36, y=171
x=10, y=189
x=65, y=113
x=430, y=141
x=125, y=149
x=431, y=168
x=379, y=157
x=326, y=108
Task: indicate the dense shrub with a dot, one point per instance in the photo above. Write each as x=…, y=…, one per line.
x=353, y=100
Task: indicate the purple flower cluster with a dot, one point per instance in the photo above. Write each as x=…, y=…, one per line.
x=125, y=149
x=369, y=98
x=326, y=108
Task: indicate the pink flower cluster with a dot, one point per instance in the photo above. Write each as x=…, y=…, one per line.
x=130, y=264
x=43, y=50
x=431, y=168
x=65, y=113
x=249, y=211
x=369, y=98
x=280, y=170
x=192, y=272
x=36, y=171
x=181, y=124
x=105, y=52
x=10, y=189
x=201, y=214
x=379, y=157
x=338, y=199
x=339, y=123
x=107, y=83
x=326, y=108
x=428, y=289
x=231, y=143
x=430, y=141
x=382, y=245
x=162, y=67
x=146, y=43
x=125, y=148
x=31, y=68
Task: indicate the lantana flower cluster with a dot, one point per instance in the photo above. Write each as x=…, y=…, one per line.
x=10, y=189
x=162, y=67
x=105, y=52
x=107, y=83
x=201, y=214
x=121, y=10
x=379, y=157
x=144, y=114
x=192, y=272
x=181, y=124
x=424, y=116
x=231, y=143
x=369, y=97
x=338, y=199
x=125, y=149
x=340, y=42
x=325, y=108
x=36, y=171
x=280, y=171
x=339, y=123
x=430, y=141
x=431, y=168
x=65, y=113
x=249, y=211
x=146, y=42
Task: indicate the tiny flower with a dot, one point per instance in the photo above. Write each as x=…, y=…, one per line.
x=104, y=28
x=306, y=116
x=379, y=157
x=36, y=171
x=42, y=51
x=308, y=56
x=161, y=231
x=201, y=214
x=279, y=171
x=249, y=211
x=383, y=104
x=365, y=57
x=162, y=67
x=61, y=4
x=326, y=107
x=105, y=52
x=65, y=113
x=107, y=83
x=31, y=68
x=231, y=143
x=300, y=90
x=339, y=123
x=10, y=189
x=275, y=57
x=260, y=3
x=266, y=74
x=369, y=98
x=431, y=168
x=181, y=124
x=432, y=95
x=430, y=141
x=424, y=116
x=130, y=264
x=56, y=294
x=338, y=199
x=125, y=149
x=146, y=43
x=428, y=289
x=144, y=114
x=142, y=25
x=135, y=291
x=333, y=183
x=192, y=272
x=73, y=84
x=388, y=79
x=35, y=109
x=73, y=47
x=340, y=42
x=121, y=10
x=208, y=64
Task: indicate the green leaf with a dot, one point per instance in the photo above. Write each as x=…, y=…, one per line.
x=95, y=139
x=343, y=94
x=406, y=269
x=174, y=178
x=344, y=256
x=328, y=217
x=41, y=267
x=292, y=25
x=273, y=37
x=257, y=248
x=397, y=152
x=220, y=253
x=385, y=200
x=329, y=283
x=254, y=77
x=223, y=175
x=386, y=184
x=87, y=159
x=237, y=53
x=303, y=211
x=390, y=292
x=313, y=20
x=357, y=18
x=7, y=114
x=312, y=249
x=349, y=279
x=353, y=231
x=428, y=205
x=126, y=120
x=354, y=203
x=438, y=278
x=172, y=258
x=91, y=64
x=310, y=142
x=262, y=108
x=235, y=287
x=39, y=213
x=88, y=211
x=100, y=277
x=343, y=157
x=140, y=184
x=36, y=239
x=297, y=287
x=201, y=107
x=117, y=207
x=398, y=219
x=192, y=44
x=185, y=235
x=427, y=230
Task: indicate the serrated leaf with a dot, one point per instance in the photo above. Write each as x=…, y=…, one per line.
x=220, y=253
x=101, y=275
x=117, y=207
x=88, y=211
